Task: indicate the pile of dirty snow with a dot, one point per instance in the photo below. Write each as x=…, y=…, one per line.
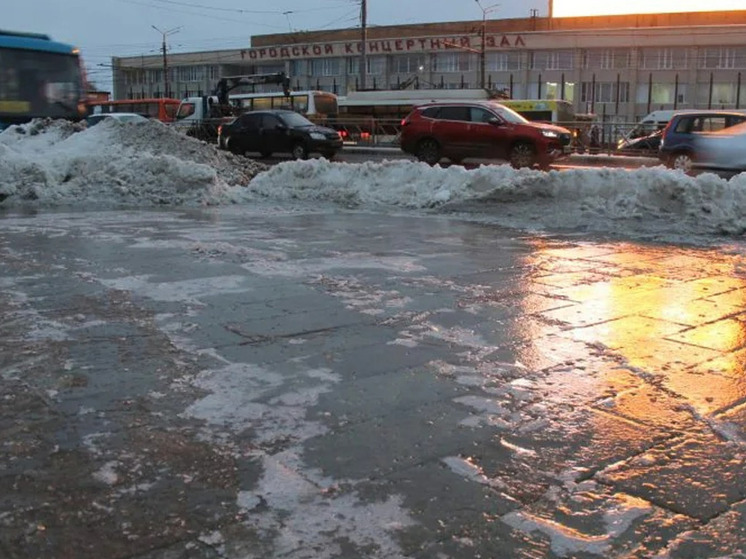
x=646, y=200
x=52, y=162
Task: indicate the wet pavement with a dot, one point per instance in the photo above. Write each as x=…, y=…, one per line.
x=265, y=383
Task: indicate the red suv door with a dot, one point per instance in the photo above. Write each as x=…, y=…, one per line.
x=491, y=138
x=453, y=130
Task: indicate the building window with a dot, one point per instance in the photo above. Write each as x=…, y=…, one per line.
x=452, y=62
x=553, y=90
x=660, y=93
x=376, y=65
x=502, y=61
x=155, y=76
x=271, y=68
x=552, y=60
x=606, y=59
x=604, y=92
x=325, y=67
x=409, y=63
x=723, y=58
x=190, y=73
x=723, y=94
x=663, y=59
x=298, y=68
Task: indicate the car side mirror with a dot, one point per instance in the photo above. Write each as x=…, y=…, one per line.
x=495, y=121
x=281, y=127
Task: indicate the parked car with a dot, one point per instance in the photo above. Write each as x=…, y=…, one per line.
x=121, y=117
x=651, y=124
x=645, y=146
x=724, y=150
x=278, y=131
x=482, y=129
x=678, y=143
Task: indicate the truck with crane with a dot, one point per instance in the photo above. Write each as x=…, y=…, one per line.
x=200, y=116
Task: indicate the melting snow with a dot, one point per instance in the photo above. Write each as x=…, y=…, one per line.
x=112, y=164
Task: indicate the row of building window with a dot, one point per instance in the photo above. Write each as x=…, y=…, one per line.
x=717, y=94
x=710, y=58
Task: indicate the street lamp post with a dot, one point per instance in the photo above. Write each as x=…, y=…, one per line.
x=165, y=58
x=483, y=51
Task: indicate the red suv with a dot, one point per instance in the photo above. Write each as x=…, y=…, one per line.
x=480, y=129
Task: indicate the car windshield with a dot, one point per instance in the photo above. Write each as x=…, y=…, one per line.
x=508, y=115
x=295, y=120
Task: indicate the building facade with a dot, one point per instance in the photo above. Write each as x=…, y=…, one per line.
x=618, y=67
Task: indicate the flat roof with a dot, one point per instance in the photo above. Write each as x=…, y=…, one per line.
x=513, y=25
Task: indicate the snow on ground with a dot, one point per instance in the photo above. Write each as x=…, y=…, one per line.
x=61, y=163
x=112, y=164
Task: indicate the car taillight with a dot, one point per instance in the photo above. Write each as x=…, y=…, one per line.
x=220, y=130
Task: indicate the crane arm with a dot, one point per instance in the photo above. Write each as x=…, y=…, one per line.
x=228, y=83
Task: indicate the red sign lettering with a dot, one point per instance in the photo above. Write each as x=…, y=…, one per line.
x=385, y=45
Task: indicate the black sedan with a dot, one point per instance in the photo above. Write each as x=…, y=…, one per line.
x=277, y=131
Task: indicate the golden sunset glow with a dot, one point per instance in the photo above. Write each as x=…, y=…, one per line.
x=572, y=8
x=674, y=316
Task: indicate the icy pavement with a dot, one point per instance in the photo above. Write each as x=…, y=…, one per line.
x=252, y=382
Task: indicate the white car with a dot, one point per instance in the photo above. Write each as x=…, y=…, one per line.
x=121, y=117
x=723, y=150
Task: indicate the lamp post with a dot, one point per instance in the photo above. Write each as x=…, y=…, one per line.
x=483, y=51
x=165, y=59
x=363, y=42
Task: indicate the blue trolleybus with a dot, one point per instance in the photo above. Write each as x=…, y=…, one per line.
x=38, y=78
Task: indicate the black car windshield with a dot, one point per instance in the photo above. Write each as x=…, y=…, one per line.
x=294, y=120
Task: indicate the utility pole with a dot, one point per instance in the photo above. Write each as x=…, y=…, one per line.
x=166, y=85
x=483, y=50
x=363, y=42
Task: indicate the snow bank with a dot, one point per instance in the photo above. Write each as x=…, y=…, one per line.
x=58, y=163
x=652, y=199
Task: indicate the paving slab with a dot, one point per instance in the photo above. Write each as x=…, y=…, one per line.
x=255, y=383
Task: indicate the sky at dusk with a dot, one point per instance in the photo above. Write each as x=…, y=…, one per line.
x=109, y=28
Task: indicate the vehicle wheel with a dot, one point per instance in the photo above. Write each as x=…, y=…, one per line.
x=428, y=151
x=329, y=154
x=456, y=160
x=681, y=161
x=522, y=155
x=299, y=151
x=234, y=147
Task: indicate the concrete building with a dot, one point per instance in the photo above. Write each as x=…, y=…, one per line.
x=619, y=67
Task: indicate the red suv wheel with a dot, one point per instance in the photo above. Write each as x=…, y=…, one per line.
x=428, y=151
x=522, y=154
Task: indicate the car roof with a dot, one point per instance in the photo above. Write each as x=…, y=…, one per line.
x=270, y=112
x=476, y=102
x=706, y=112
